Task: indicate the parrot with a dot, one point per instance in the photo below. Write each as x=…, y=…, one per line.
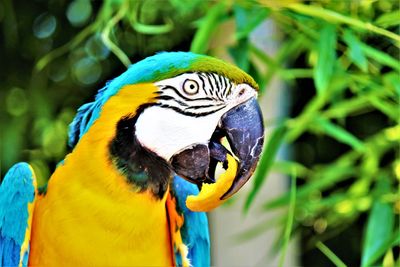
x=151, y=138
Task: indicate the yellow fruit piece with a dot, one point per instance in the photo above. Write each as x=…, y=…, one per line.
x=210, y=194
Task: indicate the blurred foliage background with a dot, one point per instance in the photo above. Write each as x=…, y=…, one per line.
x=339, y=59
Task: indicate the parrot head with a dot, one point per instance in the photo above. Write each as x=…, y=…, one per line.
x=197, y=101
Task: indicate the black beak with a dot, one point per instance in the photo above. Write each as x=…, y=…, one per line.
x=243, y=127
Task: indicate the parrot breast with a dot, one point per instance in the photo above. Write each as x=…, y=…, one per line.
x=90, y=215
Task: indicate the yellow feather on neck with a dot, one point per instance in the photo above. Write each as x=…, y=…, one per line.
x=90, y=214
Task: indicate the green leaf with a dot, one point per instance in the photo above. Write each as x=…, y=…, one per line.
x=380, y=226
x=290, y=219
x=326, y=178
x=266, y=161
x=262, y=77
x=335, y=17
x=339, y=133
x=287, y=167
x=153, y=29
x=329, y=253
x=356, y=53
x=381, y=57
x=388, y=108
x=259, y=77
x=388, y=259
x=240, y=54
x=389, y=19
x=396, y=238
x=326, y=57
x=247, y=18
x=391, y=80
x=323, y=204
x=207, y=26
x=347, y=107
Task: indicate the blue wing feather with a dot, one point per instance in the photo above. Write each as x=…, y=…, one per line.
x=195, y=234
x=17, y=191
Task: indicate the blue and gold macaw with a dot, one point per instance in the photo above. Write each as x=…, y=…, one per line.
x=118, y=199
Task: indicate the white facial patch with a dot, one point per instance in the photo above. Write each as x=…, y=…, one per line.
x=190, y=106
x=166, y=132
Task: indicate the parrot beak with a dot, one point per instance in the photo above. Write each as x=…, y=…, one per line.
x=243, y=128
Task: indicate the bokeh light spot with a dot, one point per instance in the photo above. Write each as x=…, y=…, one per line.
x=320, y=225
x=54, y=137
x=344, y=207
x=58, y=72
x=87, y=71
x=44, y=25
x=95, y=48
x=364, y=203
x=16, y=102
x=78, y=12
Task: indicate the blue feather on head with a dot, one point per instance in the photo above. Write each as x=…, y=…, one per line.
x=150, y=69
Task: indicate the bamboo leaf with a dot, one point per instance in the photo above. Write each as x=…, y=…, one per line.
x=380, y=226
x=207, y=26
x=291, y=74
x=324, y=204
x=381, y=57
x=389, y=19
x=247, y=18
x=240, y=53
x=355, y=104
x=265, y=164
x=345, y=108
x=339, y=134
x=388, y=260
x=326, y=57
x=329, y=253
x=326, y=179
x=356, y=53
x=290, y=219
x=389, y=109
x=258, y=76
x=396, y=238
x=391, y=80
x=334, y=17
x=287, y=167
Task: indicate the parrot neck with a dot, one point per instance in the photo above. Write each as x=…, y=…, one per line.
x=91, y=216
x=142, y=168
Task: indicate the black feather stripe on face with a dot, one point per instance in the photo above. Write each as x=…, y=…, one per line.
x=212, y=96
x=141, y=167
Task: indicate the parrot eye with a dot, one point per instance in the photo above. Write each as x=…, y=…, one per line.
x=190, y=87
